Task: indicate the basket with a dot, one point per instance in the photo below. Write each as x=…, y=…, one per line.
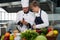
x=51, y=38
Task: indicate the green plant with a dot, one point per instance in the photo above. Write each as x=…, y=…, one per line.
x=29, y=35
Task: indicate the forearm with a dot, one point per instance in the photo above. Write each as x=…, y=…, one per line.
x=42, y=25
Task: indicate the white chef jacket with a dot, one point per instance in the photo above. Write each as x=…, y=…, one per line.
x=44, y=18
x=29, y=17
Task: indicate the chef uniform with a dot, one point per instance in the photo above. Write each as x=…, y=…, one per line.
x=41, y=19
x=28, y=17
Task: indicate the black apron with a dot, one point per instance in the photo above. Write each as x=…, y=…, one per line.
x=38, y=20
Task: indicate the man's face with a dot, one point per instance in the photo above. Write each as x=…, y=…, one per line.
x=34, y=9
x=25, y=9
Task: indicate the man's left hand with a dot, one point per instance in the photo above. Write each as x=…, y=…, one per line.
x=34, y=26
x=25, y=23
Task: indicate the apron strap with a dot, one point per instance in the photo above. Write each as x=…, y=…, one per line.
x=40, y=12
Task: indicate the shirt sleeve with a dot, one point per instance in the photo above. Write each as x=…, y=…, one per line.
x=31, y=18
x=19, y=17
x=45, y=23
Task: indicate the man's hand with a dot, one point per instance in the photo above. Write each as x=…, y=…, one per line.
x=21, y=21
x=34, y=26
x=25, y=23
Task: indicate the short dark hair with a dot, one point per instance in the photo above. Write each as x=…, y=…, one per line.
x=34, y=4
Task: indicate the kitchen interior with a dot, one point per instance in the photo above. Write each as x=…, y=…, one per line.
x=8, y=20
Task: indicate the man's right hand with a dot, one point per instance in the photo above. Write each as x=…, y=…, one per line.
x=21, y=21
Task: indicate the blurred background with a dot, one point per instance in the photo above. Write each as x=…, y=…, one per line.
x=11, y=7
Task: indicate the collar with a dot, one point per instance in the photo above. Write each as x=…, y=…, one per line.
x=37, y=14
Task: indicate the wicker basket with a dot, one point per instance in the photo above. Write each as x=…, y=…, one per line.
x=51, y=38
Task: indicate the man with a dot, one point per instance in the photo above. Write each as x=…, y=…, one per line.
x=25, y=18
x=41, y=20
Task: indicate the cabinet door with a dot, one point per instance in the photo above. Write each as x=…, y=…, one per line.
x=3, y=31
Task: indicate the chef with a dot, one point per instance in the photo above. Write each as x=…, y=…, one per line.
x=25, y=18
x=41, y=20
